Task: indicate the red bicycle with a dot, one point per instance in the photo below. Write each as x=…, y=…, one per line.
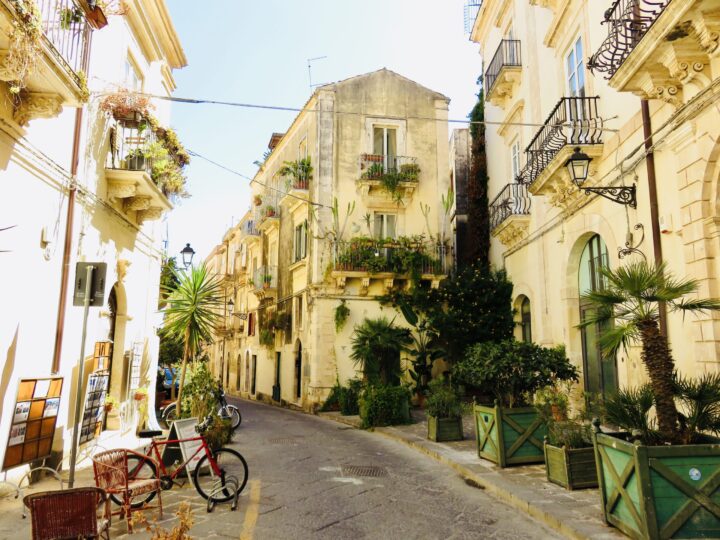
x=220, y=475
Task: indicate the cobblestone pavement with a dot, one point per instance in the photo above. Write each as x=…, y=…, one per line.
x=308, y=479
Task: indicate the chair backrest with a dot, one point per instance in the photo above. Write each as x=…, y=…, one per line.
x=110, y=469
x=69, y=513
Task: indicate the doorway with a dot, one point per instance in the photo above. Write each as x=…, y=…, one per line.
x=276, y=386
x=298, y=370
x=254, y=374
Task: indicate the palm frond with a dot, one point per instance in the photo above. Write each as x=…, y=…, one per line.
x=696, y=305
x=605, y=297
x=700, y=399
x=630, y=410
x=619, y=336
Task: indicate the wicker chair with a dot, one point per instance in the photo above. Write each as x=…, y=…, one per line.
x=69, y=513
x=111, y=474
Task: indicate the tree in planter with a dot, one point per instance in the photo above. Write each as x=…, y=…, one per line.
x=630, y=299
x=376, y=348
x=193, y=310
x=444, y=412
x=425, y=351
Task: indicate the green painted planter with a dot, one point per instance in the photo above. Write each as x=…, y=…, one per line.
x=571, y=468
x=445, y=429
x=658, y=492
x=509, y=436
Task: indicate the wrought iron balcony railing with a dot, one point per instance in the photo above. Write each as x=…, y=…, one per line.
x=249, y=229
x=66, y=28
x=507, y=54
x=131, y=146
x=573, y=121
x=375, y=166
x=628, y=21
x=265, y=277
x=513, y=200
x=376, y=256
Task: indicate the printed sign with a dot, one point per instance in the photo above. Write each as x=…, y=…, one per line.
x=185, y=429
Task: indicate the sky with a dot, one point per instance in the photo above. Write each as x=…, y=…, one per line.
x=252, y=51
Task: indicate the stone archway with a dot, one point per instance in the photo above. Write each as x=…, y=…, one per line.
x=117, y=301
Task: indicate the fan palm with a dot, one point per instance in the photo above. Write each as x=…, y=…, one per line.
x=376, y=348
x=192, y=312
x=631, y=299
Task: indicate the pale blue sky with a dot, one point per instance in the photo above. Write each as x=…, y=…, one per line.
x=256, y=52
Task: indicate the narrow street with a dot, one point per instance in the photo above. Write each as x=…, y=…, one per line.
x=302, y=486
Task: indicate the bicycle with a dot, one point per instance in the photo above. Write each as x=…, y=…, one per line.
x=225, y=410
x=215, y=477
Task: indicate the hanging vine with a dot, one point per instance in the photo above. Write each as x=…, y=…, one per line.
x=25, y=44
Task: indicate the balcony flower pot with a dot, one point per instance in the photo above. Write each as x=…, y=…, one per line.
x=571, y=468
x=257, y=200
x=135, y=162
x=96, y=17
x=651, y=492
x=445, y=429
x=509, y=436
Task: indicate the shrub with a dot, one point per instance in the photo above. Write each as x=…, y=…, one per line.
x=201, y=391
x=570, y=434
x=384, y=406
x=443, y=401
x=512, y=371
x=349, y=397
x=376, y=348
x=342, y=312
x=219, y=432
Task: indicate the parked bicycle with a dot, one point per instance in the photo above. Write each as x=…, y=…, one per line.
x=225, y=410
x=219, y=474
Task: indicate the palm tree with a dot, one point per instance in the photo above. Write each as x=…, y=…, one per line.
x=631, y=300
x=376, y=348
x=193, y=311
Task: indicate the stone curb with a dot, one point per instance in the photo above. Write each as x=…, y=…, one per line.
x=569, y=530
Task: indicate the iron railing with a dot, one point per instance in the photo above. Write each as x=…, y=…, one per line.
x=249, y=229
x=130, y=144
x=375, y=256
x=66, y=28
x=628, y=21
x=470, y=13
x=573, y=121
x=375, y=166
x=507, y=55
x=265, y=277
x=513, y=200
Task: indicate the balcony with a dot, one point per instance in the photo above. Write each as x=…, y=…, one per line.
x=504, y=73
x=264, y=283
x=52, y=77
x=248, y=231
x=510, y=213
x=574, y=122
x=388, y=260
x=268, y=216
x=128, y=172
x=659, y=49
x=386, y=180
x=296, y=191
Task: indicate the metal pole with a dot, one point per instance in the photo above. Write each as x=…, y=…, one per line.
x=81, y=366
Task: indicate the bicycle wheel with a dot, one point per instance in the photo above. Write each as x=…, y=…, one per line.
x=138, y=469
x=235, y=416
x=230, y=463
x=170, y=414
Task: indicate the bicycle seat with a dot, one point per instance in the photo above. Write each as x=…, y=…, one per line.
x=149, y=433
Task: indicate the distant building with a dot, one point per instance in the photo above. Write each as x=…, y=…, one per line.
x=460, y=159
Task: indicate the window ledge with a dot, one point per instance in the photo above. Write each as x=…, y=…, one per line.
x=298, y=264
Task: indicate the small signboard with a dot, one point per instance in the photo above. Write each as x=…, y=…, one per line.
x=94, y=411
x=185, y=429
x=34, y=420
x=97, y=286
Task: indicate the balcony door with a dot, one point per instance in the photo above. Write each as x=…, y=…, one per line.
x=599, y=369
x=385, y=144
x=575, y=73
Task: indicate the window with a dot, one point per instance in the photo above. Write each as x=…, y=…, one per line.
x=301, y=241
x=515, y=164
x=302, y=149
x=385, y=144
x=525, y=322
x=133, y=77
x=385, y=226
x=576, y=70
x=298, y=312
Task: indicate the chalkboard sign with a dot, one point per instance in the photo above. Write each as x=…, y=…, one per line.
x=94, y=411
x=33, y=423
x=185, y=429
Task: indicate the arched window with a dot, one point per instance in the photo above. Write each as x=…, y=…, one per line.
x=525, y=320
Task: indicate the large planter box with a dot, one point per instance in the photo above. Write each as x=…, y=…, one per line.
x=509, y=436
x=571, y=468
x=445, y=429
x=654, y=492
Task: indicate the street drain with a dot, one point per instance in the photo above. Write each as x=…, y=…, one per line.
x=287, y=441
x=364, y=470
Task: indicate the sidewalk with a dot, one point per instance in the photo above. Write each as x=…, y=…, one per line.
x=575, y=514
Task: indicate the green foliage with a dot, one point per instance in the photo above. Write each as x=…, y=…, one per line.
x=553, y=401
x=200, y=396
x=403, y=255
x=569, y=433
x=443, y=401
x=342, y=312
x=168, y=280
x=219, y=432
x=425, y=351
x=478, y=226
x=382, y=405
x=472, y=306
x=376, y=348
x=512, y=371
x=332, y=403
x=629, y=410
x=267, y=338
x=298, y=171
x=171, y=350
x=700, y=405
x=349, y=398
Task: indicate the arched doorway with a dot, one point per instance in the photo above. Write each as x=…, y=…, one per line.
x=523, y=319
x=238, y=372
x=298, y=369
x=599, y=369
x=247, y=370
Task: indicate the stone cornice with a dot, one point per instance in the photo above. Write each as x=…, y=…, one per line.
x=154, y=29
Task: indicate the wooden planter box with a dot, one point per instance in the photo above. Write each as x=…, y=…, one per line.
x=571, y=468
x=653, y=492
x=445, y=429
x=509, y=436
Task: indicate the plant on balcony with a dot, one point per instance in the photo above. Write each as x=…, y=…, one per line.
x=409, y=172
x=257, y=200
x=267, y=338
x=127, y=106
x=25, y=43
x=135, y=159
x=69, y=16
x=342, y=312
x=269, y=211
x=300, y=172
x=267, y=280
x=374, y=172
x=165, y=171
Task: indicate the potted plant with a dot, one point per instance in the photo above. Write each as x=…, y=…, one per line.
x=425, y=351
x=661, y=481
x=95, y=14
x=257, y=200
x=69, y=16
x=140, y=394
x=135, y=160
x=444, y=412
x=267, y=280
x=511, y=432
x=269, y=211
x=110, y=403
x=410, y=172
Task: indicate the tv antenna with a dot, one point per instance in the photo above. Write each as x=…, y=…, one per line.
x=309, y=64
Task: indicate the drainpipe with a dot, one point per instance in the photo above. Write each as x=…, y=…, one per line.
x=652, y=194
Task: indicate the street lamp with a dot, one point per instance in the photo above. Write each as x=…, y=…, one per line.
x=579, y=166
x=230, y=307
x=187, y=256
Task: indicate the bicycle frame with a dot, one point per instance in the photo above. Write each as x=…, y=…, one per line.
x=155, y=445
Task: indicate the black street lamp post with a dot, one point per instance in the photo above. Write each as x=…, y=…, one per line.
x=579, y=165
